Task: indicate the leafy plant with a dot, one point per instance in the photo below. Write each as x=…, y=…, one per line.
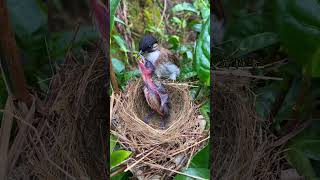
x=298, y=24
x=285, y=29
x=202, y=54
x=113, y=6
x=199, y=166
x=117, y=156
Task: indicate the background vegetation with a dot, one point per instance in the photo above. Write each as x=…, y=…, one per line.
x=43, y=43
x=280, y=38
x=181, y=26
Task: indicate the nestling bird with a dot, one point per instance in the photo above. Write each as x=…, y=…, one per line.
x=160, y=58
x=154, y=92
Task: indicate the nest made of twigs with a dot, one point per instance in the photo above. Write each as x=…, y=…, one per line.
x=243, y=146
x=156, y=152
x=63, y=135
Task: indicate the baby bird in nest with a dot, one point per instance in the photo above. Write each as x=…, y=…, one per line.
x=160, y=58
x=154, y=92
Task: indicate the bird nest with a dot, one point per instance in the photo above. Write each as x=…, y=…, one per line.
x=157, y=153
x=63, y=134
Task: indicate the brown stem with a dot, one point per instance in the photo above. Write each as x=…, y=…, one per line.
x=10, y=59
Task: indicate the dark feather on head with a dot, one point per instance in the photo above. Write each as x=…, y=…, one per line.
x=146, y=43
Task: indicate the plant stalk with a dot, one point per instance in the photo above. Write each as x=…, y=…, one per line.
x=10, y=59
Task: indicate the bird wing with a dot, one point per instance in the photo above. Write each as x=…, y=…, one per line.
x=164, y=107
x=164, y=98
x=160, y=87
x=153, y=99
x=166, y=55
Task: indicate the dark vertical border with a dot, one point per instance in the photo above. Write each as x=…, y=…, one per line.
x=107, y=86
x=212, y=4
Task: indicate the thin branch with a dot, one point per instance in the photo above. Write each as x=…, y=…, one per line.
x=191, y=146
x=246, y=75
x=45, y=153
x=135, y=163
x=163, y=12
x=5, y=132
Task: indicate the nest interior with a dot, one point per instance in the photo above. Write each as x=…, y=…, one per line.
x=159, y=152
x=142, y=109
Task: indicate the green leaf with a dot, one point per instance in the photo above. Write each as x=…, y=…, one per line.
x=289, y=101
x=315, y=65
x=174, y=41
x=26, y=16
x=256, y=42
x=113, y=8
x=197, y=172
x=303, y=165
x=205, y=111
x=304, y=150
x=176, y=20
x=60, y=41
x=311, y=148
x=119, y=20
x=266, y=97
x=201, y=159
x=184, y=7
x=118, y=157
x=298, y=25
x=121, y=176
x=197, y=27
x=130, y=74
x=117, y=65
x=202, y=54
x=189, y=55
x=121, y=43
x=113, y=142
x=204, y=7
x=187, y=72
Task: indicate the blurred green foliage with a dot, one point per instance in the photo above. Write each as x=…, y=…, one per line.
x=270, y=31
x=41, y=50
x=298, y=25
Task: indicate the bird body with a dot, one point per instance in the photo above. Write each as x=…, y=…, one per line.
x=154, y=92
x=156, y=100
x=161, y=58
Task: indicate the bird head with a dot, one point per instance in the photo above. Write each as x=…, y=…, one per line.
x=148, y=44
x=146, y=68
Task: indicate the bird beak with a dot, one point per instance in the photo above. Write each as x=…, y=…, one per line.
x=142, y=59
